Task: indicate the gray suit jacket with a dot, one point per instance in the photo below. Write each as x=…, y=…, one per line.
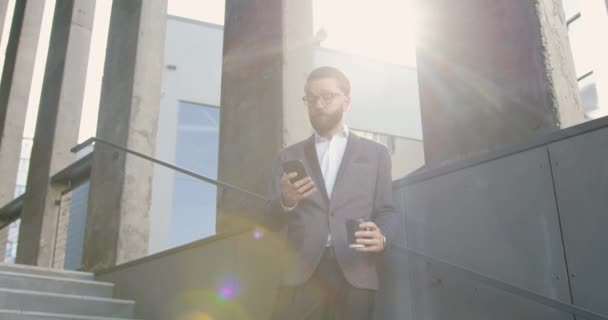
x=363, y=189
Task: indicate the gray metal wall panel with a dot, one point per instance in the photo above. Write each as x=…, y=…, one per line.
x=440, y=293
x=580, y=168
x=227, y=279
x=393, y=299
x=499, y=219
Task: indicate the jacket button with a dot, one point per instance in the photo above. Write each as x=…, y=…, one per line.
x=331, y=213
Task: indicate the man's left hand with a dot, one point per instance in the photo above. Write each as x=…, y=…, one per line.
x=371, y=236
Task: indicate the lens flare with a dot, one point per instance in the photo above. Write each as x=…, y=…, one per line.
x=196, y=315
x=207, y=305
x=228, y=288
x=258, y=234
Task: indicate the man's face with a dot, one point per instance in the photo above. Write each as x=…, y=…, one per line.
x=326, y=104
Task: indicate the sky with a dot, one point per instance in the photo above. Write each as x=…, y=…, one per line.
x=383, y=30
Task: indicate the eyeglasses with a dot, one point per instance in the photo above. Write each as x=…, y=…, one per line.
x=326, y=98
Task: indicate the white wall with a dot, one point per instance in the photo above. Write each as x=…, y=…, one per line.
x=595, y=20
x=384, y=102
x=589, y=51
x=384, y=96
x=192, y=72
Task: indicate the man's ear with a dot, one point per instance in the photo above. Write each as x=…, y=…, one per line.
x=347, y=103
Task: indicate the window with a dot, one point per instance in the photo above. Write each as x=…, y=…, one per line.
x=588, y=92
x=197, y=147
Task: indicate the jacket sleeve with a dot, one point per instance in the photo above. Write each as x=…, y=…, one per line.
x=385, y=215
x=275, y=216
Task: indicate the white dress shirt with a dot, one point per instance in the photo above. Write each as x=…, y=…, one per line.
x=330, y=152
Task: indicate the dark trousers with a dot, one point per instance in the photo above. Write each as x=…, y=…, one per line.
x=325, y=296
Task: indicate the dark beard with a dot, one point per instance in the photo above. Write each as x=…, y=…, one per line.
x=324, y=123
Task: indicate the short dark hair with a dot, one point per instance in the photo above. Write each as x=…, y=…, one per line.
x=329, y=72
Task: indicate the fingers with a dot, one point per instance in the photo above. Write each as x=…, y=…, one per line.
x=302, y=182
x=368, y=237
x=286, y=180
x=309, y=193
x=371, y=237
x=371, y=245
x=369, y=242
x=370, y=249
x=369, y=234
x=368, y=225
x=306, y=189
x=301, y=189
x=305, y=185
x=288, y=176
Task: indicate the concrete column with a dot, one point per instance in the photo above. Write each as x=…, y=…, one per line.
x=251, y=121
x=117, y=228
x=3, y=15
x=56, y=129
x=15, y=89
x=492, y=74
x=559, y=64
x=267, y=57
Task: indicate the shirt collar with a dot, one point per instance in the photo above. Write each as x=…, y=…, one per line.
x=341, y=133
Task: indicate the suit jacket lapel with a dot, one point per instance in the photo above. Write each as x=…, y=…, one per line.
x=313, y=161
x=349, y=152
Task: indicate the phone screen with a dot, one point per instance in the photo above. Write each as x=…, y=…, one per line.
x=295, y=166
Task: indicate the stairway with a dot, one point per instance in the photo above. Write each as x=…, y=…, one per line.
x=33, y=293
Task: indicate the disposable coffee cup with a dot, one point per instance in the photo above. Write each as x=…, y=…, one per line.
x=352, y=226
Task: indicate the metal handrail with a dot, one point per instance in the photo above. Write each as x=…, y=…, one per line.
x=11, y=212
x=195, y=175
x=497, y=284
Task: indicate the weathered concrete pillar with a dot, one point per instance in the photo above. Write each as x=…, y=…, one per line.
x=492, y=74
x=561, y=83
x=56, y=129
x=251, y=120
x=15, y=89
x=267, y=56
x=117, y=228
x=3, y=14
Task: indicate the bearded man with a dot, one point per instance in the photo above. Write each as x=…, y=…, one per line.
x=348, y=177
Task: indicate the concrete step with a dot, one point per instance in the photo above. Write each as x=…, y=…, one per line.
x=39, y=283
x=20, y=268
x=33, y=301
x=28, y=315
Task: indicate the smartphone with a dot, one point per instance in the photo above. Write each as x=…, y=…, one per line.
x=295, y=166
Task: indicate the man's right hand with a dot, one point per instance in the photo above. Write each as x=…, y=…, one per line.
x=292, y=193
